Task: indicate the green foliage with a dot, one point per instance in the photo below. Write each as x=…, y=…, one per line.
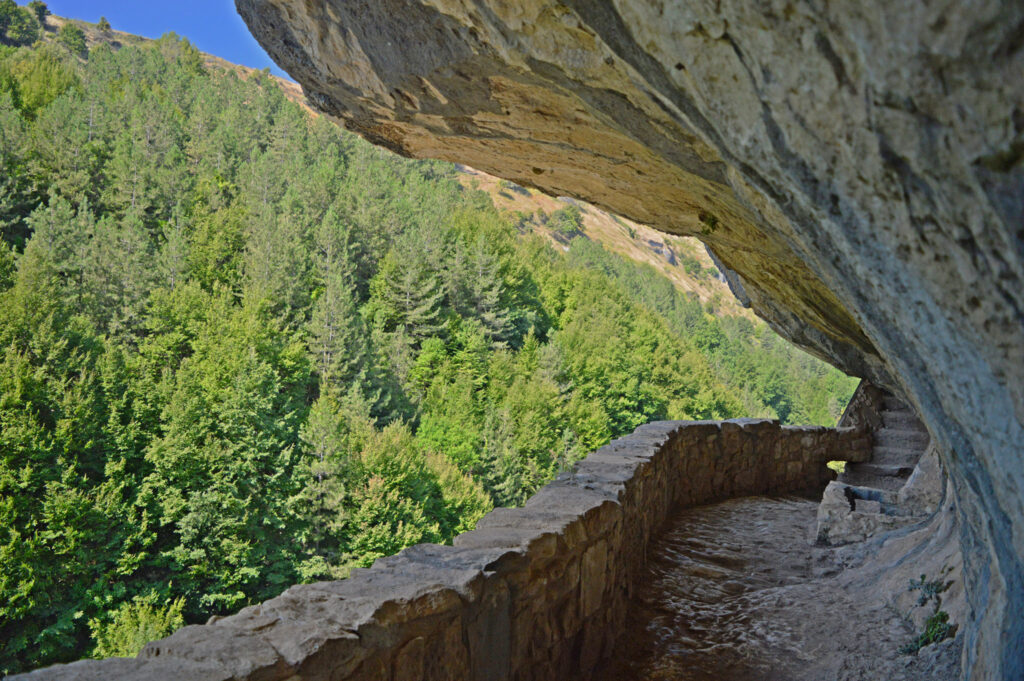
x=35, y=78
x=20, y=26
x=930, y=590
x=134, y=624
x=103, y=25
x=567, y=222
x=73, y=38
x=691, y=266
x=769, y=376
x=241, y=348
x=39, y=8
x=8, y=267
x=709, y=223
x=937, y=626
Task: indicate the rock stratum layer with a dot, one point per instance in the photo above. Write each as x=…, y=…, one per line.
x=858, y=166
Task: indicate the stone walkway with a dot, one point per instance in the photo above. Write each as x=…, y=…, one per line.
x=736, y=593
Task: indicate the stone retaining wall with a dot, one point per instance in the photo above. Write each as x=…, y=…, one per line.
x=864, y=410
x=533, y=593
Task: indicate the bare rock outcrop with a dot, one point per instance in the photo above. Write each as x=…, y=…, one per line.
x=857, y=166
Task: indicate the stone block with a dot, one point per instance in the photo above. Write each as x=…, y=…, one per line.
x=593, y=578
x=867, y=506
x=243, y=654
x=409, y=661
x=489, y=635
x=922, y=493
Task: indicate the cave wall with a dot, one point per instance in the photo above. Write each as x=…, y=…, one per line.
x=857, y=167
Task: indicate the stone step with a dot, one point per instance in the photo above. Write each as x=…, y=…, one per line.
x=882, y=483
x=903, y=418
x=895, y=456
x=899, y=437
x=894, y=403
x=882, y=469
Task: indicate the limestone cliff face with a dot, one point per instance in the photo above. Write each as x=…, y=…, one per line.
x=858, y=167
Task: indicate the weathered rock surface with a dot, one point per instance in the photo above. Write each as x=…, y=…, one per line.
x=858, y=166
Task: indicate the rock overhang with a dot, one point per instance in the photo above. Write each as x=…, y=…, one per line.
x=858, y=169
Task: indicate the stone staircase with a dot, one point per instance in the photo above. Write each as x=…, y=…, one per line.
x=898, y=446
x=900, y=484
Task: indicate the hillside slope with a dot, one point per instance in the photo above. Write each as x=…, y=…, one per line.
x=682, y=260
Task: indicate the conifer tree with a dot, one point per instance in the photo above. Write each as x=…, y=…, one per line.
x=277, y=264
x=326, y=473
x=486, y=292
x=338, y=340
x=408, y=295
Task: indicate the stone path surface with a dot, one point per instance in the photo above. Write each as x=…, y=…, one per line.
x=735, y=592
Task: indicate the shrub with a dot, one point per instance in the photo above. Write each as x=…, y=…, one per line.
x=691, y=266
x=709, y=223
x=135, y=624
x=566, y=222
x=40, y=9
x=17, y=25
x=73, y=38
x=937, y=627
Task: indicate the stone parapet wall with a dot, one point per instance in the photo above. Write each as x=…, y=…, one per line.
x=533, y=593
x=864, y=410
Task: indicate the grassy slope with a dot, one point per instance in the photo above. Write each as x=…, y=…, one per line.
x=619, y=235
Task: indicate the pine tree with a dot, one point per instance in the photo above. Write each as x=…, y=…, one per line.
x=66, y=469
x=117, y=274
x=408, y=295
x=222, y=470
x=338, y=340
x=486, y=292
x=329, y=470
x=173, y=255
x=8, y=267
x=277, y=264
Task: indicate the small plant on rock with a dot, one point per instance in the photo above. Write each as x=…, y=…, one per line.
x=937, y=627
x=708, y=223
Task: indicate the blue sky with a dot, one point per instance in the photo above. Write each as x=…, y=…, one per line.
x=212, y=25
